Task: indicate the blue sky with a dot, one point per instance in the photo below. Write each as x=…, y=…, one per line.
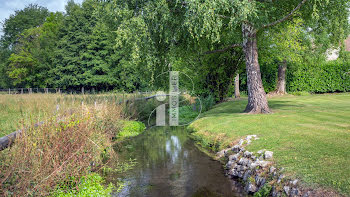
x=8, y=7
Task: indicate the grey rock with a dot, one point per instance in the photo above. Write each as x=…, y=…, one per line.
x=240, y=162
x=233, y=157
x=268, y=155
x=286, y=190
x=251, y=137
x=242, y=150
x=272, y=169
x=243, y=161
x=240, y=174
x=249, y=162
x=236, y=148
x=251, y=188
x=294, y=192
x=261, y=152
x=274, y=192
x=242, y=168
x=253, y=157
x=246, y=175
x=253, y=165
x=229, y=164
x=306, y=194
x=247, y=154
x=295, y=182
x=220, y=154
x=237, y=166
x=259, y=180
x=233, y=172
x=264, y=163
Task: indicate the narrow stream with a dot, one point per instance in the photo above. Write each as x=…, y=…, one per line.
x=169, y=164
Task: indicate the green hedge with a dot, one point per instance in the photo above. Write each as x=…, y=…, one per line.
x=323, y=78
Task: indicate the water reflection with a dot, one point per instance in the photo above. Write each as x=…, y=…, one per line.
x=170, y=165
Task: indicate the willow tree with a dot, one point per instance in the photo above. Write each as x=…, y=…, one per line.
x=248, y=19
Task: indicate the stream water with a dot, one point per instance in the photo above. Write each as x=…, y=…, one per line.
x=169, y=164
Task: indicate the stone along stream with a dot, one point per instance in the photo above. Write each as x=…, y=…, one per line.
x=169, y=164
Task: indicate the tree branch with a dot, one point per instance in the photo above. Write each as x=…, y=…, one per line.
x=223, y=50
x=286, y=17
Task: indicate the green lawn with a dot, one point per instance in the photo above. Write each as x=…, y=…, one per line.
x=309, y=135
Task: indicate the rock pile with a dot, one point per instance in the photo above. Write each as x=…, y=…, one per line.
x=256, y=170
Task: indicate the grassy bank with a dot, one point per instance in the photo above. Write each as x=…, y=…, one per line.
x=75, y=139
x=309, y=135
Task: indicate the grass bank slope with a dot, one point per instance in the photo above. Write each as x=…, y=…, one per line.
x=309, y=135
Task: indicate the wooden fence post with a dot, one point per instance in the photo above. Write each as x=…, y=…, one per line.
x=9, y=91
x=82, y=90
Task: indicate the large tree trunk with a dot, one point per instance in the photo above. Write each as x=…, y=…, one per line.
x=257, y=102
x=237, y=93
x=281, y=82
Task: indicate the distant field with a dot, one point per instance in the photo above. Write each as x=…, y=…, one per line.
x=25, y=109
x=309, y=135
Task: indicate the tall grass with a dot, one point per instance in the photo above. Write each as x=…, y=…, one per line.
x=19, y=110
x=75, y=139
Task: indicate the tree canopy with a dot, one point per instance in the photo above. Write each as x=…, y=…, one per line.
x=125, y=45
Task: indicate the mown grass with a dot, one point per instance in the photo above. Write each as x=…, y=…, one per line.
x=309, y=135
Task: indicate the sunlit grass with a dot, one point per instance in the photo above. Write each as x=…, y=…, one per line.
x=309, y=135
x=19, y=110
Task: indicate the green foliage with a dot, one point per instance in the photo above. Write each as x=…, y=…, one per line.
x=90, y=185
x=264, y=191
x=131, y=128
x=31, y=16
x=322, y=78
x=31, y=63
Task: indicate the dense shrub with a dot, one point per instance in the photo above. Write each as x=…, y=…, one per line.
x=323, y=78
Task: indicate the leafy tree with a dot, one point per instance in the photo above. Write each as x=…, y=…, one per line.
x=249, y=19
x=29, y=17
x=31, y=62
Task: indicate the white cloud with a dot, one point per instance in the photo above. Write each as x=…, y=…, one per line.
x=8, y=7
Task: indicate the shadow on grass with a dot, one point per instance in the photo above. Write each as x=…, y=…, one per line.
x=238, y=106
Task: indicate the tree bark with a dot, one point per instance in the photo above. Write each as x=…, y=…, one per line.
x=281, y=82
x=257, y=101
x=237, y=93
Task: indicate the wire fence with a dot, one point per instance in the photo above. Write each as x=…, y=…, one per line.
x=57, y=91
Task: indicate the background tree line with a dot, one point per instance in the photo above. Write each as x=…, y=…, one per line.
x=125, y=45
